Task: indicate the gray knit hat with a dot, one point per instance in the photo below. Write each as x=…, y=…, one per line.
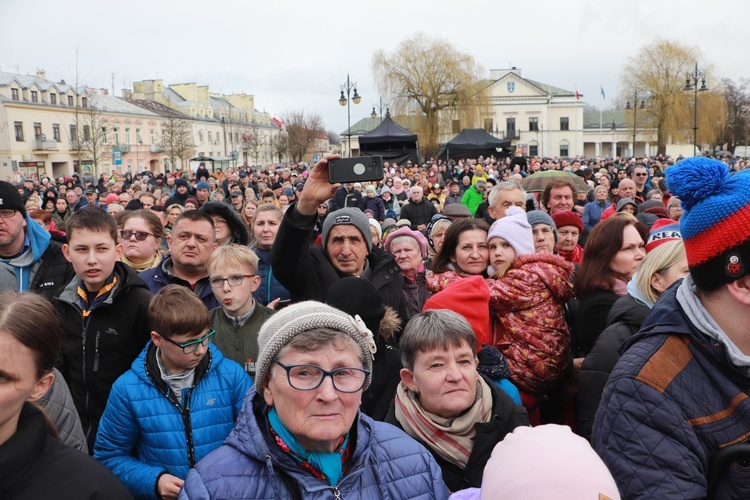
x=286, y=324
x=539, y=217
x=351, y=217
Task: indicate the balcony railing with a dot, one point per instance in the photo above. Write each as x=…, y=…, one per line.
x=123, y=148
x=511, y=134
x=157, y=148
x=42, y=145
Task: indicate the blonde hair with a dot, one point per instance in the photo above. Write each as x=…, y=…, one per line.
x=235, y=255
x=659, y=259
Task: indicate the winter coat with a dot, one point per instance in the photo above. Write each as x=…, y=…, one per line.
x=386, y=368
x=269, y=288
x=146, y=431
x=41, y=268
x=237, y=227
x=34, y=465
x=671, y=403
x=506, y=416
x=377, y=207
x=471, y=199
x=307, y=272
x=239, y=343
x=98, y=349
x=161, y=276
x=418, y=213
x=592, y=213
x=416, y=293
x=625, y=318
x=591, y=319
x=59, y=407
x=385, y=463
x=344, y=198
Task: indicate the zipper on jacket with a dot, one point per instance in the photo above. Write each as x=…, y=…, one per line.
x=96, y=351
x=84, y=336
x=188, y=429
x=336, y=493
x=268, y=284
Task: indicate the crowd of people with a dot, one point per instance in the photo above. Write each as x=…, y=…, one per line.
x=172, y=335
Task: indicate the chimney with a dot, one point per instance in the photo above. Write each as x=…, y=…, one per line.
x=40, y=73
x=104, y=91
x=127, y=94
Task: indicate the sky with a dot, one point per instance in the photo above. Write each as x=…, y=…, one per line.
x=294, y=55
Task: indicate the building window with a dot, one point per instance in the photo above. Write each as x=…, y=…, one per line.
x=153, y=136
x=104, y=135
x=70, y=100
x=564, y=150
x=84, y=102
x=488, y=124
x=210, y=137
x=56, y=131
x=138, y=138
x=533, y=150
x=14, y=94
x=200, y=136
x=53, y=98
x=73, y=134
x=34, y=96
x=116, y=134
x=564, y=123
x=534, y=124
x=37, y=130
x=86, y=133
x=127, y=135
x=19, y=131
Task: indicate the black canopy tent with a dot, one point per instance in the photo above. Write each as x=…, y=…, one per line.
x=391, y=141
x=473, y=143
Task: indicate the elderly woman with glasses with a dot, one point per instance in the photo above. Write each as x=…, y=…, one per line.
x=300, y=433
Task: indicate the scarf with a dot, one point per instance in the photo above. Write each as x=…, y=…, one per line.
x=575, y=256
x=324, y=466
x=451, y=439
x=102, y=295
x=149, y=264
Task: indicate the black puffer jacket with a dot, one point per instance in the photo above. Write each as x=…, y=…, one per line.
x=624, y=320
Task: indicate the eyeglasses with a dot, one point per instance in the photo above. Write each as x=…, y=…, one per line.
x=309, y=377
x=139, y=235
x=234, y=280
x=191, y=347
x=641, y=174
x=7, y=213
x=219, y=221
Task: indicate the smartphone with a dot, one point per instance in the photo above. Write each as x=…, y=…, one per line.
x=357, y=169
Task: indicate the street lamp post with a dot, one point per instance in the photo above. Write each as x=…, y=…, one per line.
x=635, y=115
x=614, y=144
x=345, y=101
x=691, y=84
x=138, y=143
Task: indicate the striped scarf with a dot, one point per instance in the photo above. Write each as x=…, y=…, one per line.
x=452, y=438
x=101, y=296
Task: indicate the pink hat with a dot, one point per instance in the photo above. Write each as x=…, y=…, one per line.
x=515, y=229
x=112, y=198
x=546, y=461
x=406, y=231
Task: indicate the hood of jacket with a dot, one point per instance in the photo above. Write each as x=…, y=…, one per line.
x=39, y=239
x=146, y=368
x=239, y=230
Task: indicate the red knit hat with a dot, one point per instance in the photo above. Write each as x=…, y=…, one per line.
x=469, y=297
x=662, y=231
x=567, y=218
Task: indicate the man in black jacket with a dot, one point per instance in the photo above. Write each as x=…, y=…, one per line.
x=347, y=196
x=418, y=211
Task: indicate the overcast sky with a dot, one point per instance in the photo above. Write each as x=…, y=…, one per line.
x=294, y=55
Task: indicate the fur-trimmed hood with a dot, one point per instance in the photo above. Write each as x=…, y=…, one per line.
x=390, y=324
x=240, y=234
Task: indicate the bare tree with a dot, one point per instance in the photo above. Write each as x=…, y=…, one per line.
x=176, y=140
x=253, y=142
x=301, y=132
x=427, y=75
x=737, y=96
x=657, y=73
x=92, y=143
x=280, y=145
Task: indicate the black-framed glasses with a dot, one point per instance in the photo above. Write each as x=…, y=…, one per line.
x=641, y=174
x=139, y=235
x=309, y=377
x=192, y=346
x=7, y=213
x=233, y=280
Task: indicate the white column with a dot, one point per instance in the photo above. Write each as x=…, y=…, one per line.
x=596, y=148
x=648, y=147
x=614, y=149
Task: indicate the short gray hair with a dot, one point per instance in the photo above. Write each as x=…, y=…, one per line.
x=506, y=186
x=314, y=340
x=432, y=329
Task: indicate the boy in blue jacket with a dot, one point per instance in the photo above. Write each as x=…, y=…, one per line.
x=176, y=404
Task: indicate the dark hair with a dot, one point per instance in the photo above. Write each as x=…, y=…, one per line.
x=195, y=216
x=557, y=183
x=176, y=310
x=153, y=221
x=44, y=215
x=442, y=260
x=603, y=243
x=159, y=208
x=94, y=219
x=31, y=320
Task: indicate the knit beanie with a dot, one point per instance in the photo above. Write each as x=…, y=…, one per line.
x=181, y=182
x=112, y=198
x=715, y=224
x=286, y=324
x=546, y=461
x=662, y=231
x=11, y=199
x=469, y=297
x=515, y=229
x=348, y=216
x=202, y=185
x=376, y=225
x=540, y=217
x=406, y=231
x=567, y=218
x=358, y=296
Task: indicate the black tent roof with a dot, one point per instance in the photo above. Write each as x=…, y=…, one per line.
x=388, y=131
x=472, y=143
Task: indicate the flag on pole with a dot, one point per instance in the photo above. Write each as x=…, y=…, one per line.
x=578, y=95
x=603, y=96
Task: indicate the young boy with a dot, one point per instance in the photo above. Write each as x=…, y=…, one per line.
x=177, y=403
x=102, y=313
x=233, y=275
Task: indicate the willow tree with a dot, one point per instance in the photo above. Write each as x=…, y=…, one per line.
x=430, y=78
x=658, y=73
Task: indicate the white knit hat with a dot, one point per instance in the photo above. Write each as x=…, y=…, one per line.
x=515, y=229
x=546, y=461
x=286, y=324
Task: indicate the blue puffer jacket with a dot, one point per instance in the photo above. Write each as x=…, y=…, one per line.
x=269, y=288
x=386, y=464
x=161, y=276
x=672, y=401
x=146, y=432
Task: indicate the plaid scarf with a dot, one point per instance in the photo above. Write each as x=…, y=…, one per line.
x=450, y=438
x=101, y=296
